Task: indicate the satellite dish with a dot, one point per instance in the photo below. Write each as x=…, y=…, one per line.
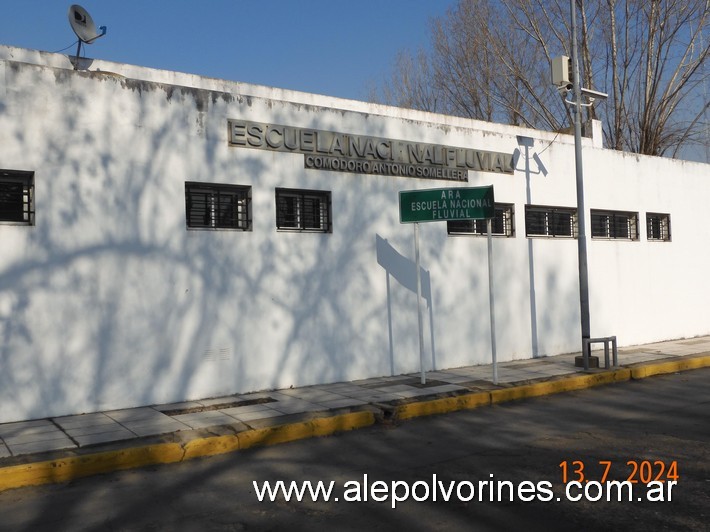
x=84, y=27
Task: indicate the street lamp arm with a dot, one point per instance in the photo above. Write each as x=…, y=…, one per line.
x=571, y=103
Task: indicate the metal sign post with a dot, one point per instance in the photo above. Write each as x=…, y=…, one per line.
x=419, y=304
x=443, y=204
x=491, y=302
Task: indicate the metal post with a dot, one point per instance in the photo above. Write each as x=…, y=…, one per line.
x=581, y=236
x=491, y=304
x=419, y=303
x=78, y=51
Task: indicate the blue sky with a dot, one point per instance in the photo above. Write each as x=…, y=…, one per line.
x=333, y=47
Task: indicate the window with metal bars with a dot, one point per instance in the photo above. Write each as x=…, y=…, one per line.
x=614, y=225
x=502, y=223
x=213, y=206
x=303, y=210
x=17, y=191
x=550, y=221
x=658, y=226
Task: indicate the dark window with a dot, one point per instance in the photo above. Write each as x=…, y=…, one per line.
x=211, y=206
x=303, y=210
x=658, y=226
x=17, y=191
x=550, y=221
x=614, y=225
x=502, y=223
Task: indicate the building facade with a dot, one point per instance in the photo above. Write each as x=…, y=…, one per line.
x=168, y=237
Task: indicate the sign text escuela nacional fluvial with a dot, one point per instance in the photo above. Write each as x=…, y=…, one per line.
x=343, y=152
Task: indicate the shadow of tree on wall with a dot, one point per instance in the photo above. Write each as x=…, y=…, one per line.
x=110, y=298
x=110, y=302
x=113, y=303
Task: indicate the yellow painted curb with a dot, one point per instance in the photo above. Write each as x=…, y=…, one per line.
x=65, y=469
x=305, y=429
x=274, y=435
x=568, y=384
x=211, y=446
x=672, y=366
x=325, y=426
x=443, y=405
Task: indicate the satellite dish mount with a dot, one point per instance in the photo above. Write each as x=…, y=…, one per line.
x=84, y=28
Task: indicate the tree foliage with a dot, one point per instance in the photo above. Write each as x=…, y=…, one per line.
x=490, y=60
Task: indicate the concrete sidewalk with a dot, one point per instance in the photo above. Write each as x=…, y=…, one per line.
x=62, y=448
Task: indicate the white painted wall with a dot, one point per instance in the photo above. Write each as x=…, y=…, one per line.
x=109, y=302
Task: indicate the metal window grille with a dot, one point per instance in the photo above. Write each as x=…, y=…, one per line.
x=303, y=210
x=17, y=192
x=614, y=225
x=502, y=223
x=211, y=206
x=658, y=227
x=550, y=221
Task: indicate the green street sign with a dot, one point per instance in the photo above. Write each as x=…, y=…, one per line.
x=440, y=204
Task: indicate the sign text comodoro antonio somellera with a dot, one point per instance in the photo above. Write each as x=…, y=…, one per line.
x=343, y=152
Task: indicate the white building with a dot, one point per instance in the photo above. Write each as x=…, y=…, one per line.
x=295, y=273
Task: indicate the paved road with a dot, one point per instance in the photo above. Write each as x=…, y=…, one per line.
x=661, y=419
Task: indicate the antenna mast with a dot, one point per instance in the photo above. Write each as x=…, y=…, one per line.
x=84, y=28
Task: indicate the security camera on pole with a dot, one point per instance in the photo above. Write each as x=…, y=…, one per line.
x=565, y=76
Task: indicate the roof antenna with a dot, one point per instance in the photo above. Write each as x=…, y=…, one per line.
x=84, y=28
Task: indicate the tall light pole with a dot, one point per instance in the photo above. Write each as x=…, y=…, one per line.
x=565, y=82
x=581, y=225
